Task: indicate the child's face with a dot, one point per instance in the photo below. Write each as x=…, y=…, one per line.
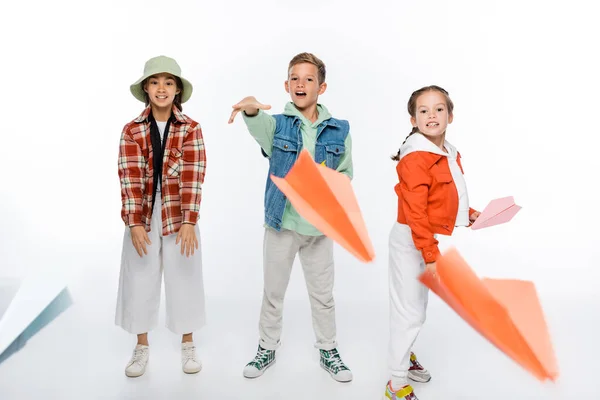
x=161, y=90
x=303, y=85
x=432, y=114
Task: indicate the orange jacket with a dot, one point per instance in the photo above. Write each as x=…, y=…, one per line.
x=427, y=199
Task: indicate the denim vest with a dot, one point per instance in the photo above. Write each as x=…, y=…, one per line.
x=287, y=144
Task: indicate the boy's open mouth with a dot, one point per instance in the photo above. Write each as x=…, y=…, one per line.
x=300, y=94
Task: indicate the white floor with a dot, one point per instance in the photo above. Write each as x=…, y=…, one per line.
x=82, y=354
x=503, y=82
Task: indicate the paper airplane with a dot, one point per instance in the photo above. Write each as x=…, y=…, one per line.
x=506, y=312
x=498, y=211
x=324, y=197
x=26, y=307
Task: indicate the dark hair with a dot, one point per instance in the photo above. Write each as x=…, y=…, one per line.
x=412, y=108
x=176, y=100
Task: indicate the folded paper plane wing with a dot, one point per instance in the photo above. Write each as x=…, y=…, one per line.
x=325, y=198
x=28, y=306
x=498, y=211
x=506, y=312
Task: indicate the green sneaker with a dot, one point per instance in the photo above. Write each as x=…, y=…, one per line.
x=332, y=363
x=262, y=360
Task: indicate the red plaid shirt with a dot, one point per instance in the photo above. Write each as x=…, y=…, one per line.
x=184, y=163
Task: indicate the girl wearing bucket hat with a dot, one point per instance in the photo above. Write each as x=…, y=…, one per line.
x=161, y=168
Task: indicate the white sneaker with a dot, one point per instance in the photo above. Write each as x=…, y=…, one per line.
x=189, y=362
x=416, y=372
x=139, y=359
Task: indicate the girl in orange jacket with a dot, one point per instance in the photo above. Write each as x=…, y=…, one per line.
x=432, y=200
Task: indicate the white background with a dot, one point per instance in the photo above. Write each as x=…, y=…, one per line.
x=524, y=79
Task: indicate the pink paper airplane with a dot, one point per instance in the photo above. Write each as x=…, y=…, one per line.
x=499, y=211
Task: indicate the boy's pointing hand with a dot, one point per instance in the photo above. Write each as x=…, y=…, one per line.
x=250, y=106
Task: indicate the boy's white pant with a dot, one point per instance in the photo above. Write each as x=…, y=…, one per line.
x=408, y=298
x=140, y=283
x=316, y=256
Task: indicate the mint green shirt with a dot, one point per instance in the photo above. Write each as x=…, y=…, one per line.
x=262, y=128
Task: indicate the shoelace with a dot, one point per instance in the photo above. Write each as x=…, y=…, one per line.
x=416, y=363
x=138, y=356
x=189, y=353
x=261, y=358
x=336, y=361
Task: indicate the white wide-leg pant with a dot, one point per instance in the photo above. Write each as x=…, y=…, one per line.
x=141, y=277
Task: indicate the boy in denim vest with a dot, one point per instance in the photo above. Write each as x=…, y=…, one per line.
x=303, y=124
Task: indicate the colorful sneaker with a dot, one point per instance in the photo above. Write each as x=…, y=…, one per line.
x=262, y=360
x=332, y=363
x=416, y=372
x=404, y=393
x=189, y=362
x=137, y=365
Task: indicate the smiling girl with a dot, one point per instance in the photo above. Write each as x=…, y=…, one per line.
x=161, y=168
x=432, y=200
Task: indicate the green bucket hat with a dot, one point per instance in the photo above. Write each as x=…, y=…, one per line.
x=157, y=65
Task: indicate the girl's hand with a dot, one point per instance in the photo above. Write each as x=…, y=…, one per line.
x=249, y=105
x=139, y=238
x=187, y=235
x=474, y=216
x=431, y=268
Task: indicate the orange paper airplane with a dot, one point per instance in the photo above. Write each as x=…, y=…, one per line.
x=324, y=197
x=505, y=312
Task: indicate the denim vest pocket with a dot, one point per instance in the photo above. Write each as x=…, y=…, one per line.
x=284, y=145
x=334, y=152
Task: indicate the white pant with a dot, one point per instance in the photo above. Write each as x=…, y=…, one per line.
x=140, y=283
x=316, y=256
x=408, y=298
